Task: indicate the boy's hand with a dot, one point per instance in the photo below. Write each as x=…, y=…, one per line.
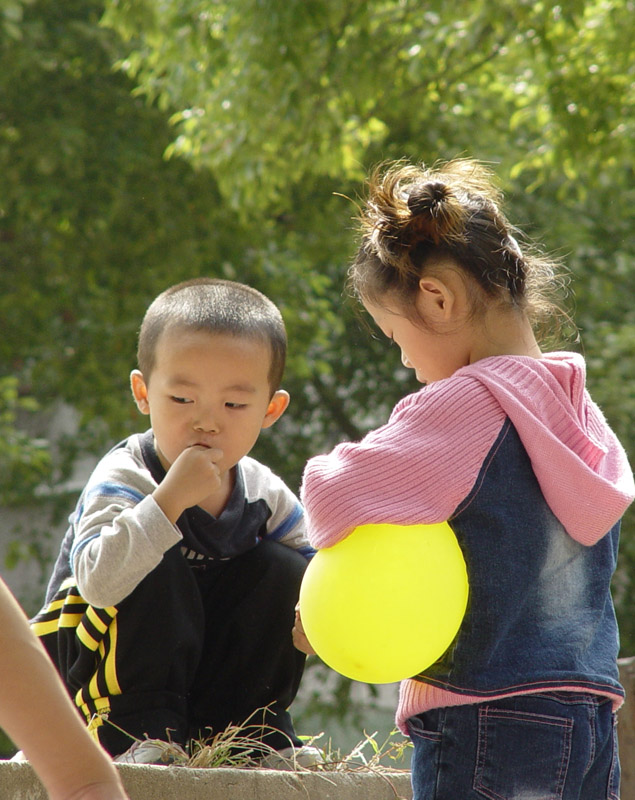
x=193, y=476
x=299, y=636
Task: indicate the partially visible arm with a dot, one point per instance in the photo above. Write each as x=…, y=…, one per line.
x=38, y=715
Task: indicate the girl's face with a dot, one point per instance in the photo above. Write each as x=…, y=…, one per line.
x=434, y=354
x=451, y=333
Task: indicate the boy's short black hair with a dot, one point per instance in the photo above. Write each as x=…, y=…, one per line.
x=215, y=306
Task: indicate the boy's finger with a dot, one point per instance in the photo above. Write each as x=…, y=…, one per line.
x=214, y=453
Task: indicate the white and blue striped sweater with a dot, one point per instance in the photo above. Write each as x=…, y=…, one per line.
x=118, y=534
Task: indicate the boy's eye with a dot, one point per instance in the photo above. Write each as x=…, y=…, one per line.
x=180, y=400
x=236, y=405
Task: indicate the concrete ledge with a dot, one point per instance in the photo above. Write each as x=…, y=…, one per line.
x=19, y=782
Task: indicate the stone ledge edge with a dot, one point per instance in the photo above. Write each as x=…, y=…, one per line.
x=19, y=782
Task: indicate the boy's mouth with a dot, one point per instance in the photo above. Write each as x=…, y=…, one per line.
x=207, y=442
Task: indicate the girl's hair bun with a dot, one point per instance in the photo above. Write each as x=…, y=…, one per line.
x=430, y=196
x=436, y=212
x=416, y=217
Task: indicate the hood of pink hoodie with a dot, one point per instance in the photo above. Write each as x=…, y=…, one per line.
x=582, y=468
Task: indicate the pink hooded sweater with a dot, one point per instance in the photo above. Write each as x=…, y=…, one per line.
x=424, y=462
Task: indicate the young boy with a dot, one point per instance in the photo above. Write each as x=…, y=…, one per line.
x=170, y=608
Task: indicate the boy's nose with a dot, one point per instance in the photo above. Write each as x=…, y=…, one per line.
x=206, y=424
x=208, y=428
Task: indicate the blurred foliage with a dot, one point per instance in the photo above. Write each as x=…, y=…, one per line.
x=25, y=461
x=145, y=142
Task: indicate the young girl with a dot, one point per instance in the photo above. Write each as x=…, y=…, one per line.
x=505, y=443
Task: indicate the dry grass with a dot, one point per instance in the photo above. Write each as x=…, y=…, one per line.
x=239, y=747
x=367, y=755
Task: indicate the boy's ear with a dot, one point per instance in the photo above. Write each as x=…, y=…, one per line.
x=276, y=408
x=139, y=391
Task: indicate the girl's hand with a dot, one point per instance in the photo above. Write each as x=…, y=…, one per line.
x=299, y=636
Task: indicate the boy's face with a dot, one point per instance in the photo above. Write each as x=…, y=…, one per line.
x=208, y=389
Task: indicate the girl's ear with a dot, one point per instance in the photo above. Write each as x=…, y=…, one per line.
x=437, y=299
x=276, y=408
x=139, y=391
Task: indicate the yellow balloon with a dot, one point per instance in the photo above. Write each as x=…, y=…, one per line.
x=386, y=602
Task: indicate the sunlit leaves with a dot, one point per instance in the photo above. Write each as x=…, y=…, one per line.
x=187, y=137
x=327, y=82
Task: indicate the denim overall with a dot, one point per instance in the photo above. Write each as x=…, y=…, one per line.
x=540, y=626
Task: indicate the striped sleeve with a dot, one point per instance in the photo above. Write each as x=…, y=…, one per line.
x=415, y=469
x=121, y=533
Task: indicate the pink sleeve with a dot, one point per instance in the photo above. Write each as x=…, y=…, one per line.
x=415, y=469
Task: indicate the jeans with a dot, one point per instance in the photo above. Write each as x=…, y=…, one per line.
x=550, y=746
